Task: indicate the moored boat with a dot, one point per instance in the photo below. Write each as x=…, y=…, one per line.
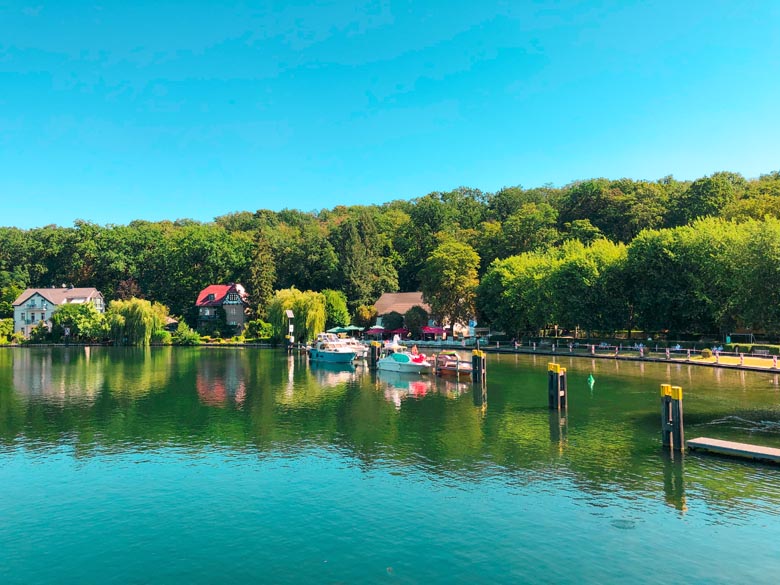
x=329, y=348
x=398, y=359
x=448, y=363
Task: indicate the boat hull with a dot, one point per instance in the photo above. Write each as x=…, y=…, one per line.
x=387, y=365
x=332, y=357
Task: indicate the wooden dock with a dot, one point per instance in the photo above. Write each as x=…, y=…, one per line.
x=731, y=449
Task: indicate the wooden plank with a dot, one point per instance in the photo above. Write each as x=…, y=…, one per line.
x=732, y=449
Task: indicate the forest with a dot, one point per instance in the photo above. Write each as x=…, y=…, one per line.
x=681, y=257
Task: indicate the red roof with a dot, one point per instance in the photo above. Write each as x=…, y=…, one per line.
x=220, y=291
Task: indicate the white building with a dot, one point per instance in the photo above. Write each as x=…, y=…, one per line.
x=37, y=304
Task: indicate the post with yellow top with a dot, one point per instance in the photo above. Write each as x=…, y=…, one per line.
x=478, y=366
x=557, y=396
x=672, y=434
x=374, y=350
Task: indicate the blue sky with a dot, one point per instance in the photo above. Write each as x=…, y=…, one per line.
x=114, y=111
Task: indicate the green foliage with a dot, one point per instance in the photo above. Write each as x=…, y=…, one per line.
x=392, y=320
x=6, y=327
x=161, y=337
x=308, y=308
x=415, y=319
x=449, y=282
x=83, y=320
x=184, y=335
x=262, y=275
x=364, y=316
x=336, y=312
x=133, y=322
x=258, y=329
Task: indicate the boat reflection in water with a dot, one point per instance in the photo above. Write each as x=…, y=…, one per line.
x=329, y=374
x=397, y=386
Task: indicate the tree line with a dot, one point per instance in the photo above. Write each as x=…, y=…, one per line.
x=509, y=254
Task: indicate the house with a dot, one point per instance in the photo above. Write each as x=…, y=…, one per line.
x=36, y=305
x=230, y=297
x=400, y=303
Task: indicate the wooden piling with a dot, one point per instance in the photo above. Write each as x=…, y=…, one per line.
x=672, y=431
x=557, y=395
x=478, y=366
x=374, y=351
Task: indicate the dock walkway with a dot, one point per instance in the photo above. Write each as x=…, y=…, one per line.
x=732, y=449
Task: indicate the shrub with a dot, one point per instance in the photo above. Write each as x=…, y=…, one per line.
x=161, y=337
x=258, y=329
x=706, y=353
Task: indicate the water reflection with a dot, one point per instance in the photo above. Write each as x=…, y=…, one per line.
x=110, y=398
x=220, y=379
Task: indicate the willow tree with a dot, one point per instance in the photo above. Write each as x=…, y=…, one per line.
x=308, y=308
x=132, y=322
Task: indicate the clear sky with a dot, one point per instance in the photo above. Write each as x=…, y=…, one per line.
x=114, y=110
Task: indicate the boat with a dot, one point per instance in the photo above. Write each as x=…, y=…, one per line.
x=329, y=348
x=398, y=359
x=360, y=349
x=448, y=362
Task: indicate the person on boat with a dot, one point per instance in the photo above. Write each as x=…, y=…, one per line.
x=414, y=350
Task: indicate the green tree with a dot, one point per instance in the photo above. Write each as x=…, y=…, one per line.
x=336, y=313
x=392, y=320
x=415, y=319
x=449, y=281
x=184, y=335
x=262, y=275
x=83, y=320
x=308, y=308
x=133, y=322
x=364, y=316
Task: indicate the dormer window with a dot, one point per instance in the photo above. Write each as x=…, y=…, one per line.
x=210, y=297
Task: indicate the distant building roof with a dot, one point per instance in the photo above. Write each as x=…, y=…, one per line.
x=400, y=302
x=60, y=296
x=220, y=291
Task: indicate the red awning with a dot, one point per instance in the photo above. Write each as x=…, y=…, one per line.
x=374, y=331
x=433, y=330
x=400, y=331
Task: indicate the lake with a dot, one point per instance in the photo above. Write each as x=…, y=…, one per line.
x=212, y=465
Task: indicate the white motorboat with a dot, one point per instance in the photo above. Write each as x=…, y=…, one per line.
x=360, y=349
x=329, y=348
x=398, y=359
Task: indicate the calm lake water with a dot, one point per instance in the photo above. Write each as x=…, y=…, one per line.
x=177, y=465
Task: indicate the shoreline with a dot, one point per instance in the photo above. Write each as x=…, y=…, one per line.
x=725, y=361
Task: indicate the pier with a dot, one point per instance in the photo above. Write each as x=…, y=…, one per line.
x=732, y=449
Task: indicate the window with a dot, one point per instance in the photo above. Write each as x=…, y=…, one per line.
x=232, y=297
x=210, y=297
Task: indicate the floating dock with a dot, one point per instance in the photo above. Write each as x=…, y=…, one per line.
x=731, y=449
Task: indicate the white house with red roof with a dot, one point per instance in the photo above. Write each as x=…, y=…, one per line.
x=36, y=305
x=230, y=297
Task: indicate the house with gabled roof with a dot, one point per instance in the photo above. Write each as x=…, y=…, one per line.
x=231, y=298
x=400, y=303
x=36, y=305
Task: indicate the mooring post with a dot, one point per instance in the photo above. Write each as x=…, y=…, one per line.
x=668, y=353
x=774, y=361
x=374, y=350
x=742, y=359
x=478, y=366
x=557, y=398
x=672, y=433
